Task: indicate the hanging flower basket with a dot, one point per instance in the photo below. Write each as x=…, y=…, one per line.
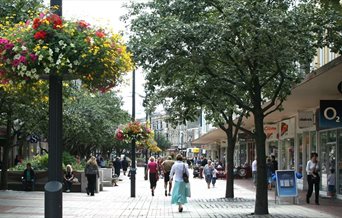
x=49, y=45
x=134, y=130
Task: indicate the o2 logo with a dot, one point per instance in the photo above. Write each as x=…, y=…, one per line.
x=330, y=114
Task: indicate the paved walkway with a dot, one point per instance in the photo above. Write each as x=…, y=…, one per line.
x=116, y=202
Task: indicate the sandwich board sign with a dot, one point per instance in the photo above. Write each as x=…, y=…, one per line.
x=286, y=183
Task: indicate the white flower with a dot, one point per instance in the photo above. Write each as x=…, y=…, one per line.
x=17, y=56
x=58, y=61
x=23, y=48
x=72, y=45
x=60, y=56
x=76, y=62
x=50, y=52
x=15, y=48
x=40, y=57
x=23, y=67
x=60, y=42
x=47, y=70
x=34, y=70
x=70, y=65
x=56, y=49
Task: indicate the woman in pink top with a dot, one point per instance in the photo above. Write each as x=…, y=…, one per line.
x=153, y=168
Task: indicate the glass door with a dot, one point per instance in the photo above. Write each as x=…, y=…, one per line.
x=328, y=156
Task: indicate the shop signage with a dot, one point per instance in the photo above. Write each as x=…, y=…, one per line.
x=286, y=129
x=195, y=150
x=271, y=131
x=286, y=183
x=330, y=114
x=305, y=119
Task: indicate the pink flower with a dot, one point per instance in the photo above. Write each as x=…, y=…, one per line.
x=9, y=46
x=22, y=59
x=33, y=57
x=15, y=62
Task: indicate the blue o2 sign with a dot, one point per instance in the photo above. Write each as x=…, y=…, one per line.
x=330, y=114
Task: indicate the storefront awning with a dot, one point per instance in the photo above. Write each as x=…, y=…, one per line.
x=210, y=137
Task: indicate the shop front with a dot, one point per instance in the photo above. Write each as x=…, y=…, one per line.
x=330, y=142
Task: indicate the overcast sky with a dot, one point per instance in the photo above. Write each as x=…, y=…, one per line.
x=107, y=13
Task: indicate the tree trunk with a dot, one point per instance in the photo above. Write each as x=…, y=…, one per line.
x=261, y=202
x=230, y=164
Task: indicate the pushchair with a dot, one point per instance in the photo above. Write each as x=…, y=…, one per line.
x=196, y=171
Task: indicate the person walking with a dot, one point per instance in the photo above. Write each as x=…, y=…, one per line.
x=312, y=169
x=68, y=177
x=124, y=165
x=179, y=192
x=152, y=166
x=269, y=167
x=208, y=172
x=254, y=171
x=166, y=166
x=117, y=166
x=91, y=171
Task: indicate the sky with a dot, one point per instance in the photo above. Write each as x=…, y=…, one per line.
x=106, y=13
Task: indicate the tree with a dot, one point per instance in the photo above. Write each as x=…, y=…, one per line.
x=90, y=121
x=250, y=51
x=19, y=106
x=162, y=142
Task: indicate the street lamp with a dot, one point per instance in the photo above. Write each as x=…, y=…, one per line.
x=53, y=188
x=133, y=169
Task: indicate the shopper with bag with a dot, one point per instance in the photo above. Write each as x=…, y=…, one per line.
x=181, y=186
x=312, y=169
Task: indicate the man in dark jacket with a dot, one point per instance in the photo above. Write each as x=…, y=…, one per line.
x=28, y=178
x=117, y=166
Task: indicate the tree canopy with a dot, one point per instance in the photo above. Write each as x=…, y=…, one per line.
x=244, y=55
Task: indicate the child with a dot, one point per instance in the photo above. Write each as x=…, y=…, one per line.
x=213, y=179
x=332, y=183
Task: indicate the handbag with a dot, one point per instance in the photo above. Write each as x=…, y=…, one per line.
x=315, y=177
x=185, y=176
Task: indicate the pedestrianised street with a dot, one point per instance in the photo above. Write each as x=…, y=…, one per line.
x=116, y=202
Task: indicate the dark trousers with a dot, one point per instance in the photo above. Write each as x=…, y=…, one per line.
x=68, y=184
x=91, y=183
x=312, y=183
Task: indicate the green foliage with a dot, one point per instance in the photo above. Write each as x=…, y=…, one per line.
x=162, y=141
x=18, y=10
x=40, y=162
x=90, y=121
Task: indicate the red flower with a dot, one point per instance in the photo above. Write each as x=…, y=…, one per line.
x=119, y=135
x=100, y=34
x=36, y=23
x=56, y=20
x=83, y=24
x=40, y=35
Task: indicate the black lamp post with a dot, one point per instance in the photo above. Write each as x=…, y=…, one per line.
x=133, y=169
x=53, y=188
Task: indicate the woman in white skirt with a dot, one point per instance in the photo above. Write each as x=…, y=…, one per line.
x=179, y=193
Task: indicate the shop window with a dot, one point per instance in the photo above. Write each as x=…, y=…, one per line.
x=339, y=164
x=328, y=156
x=287, y=154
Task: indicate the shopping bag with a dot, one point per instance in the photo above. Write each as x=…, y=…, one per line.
x=187, y=189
